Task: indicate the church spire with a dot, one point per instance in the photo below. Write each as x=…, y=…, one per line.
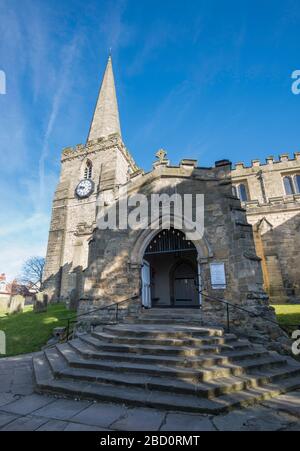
x=106, y=115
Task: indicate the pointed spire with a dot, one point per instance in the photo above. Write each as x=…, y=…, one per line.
x=106, y=115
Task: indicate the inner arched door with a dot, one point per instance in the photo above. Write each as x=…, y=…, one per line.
x=184, y=285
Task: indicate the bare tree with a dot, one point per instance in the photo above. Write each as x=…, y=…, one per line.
x=32, y=273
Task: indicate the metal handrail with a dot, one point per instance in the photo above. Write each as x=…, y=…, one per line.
x=228, y=304
x=115, y=305
x=238, y=307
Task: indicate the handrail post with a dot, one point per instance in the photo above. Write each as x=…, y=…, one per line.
x=68, y=330
x=228, y=320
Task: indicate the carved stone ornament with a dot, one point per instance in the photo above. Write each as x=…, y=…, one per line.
x=161, y=155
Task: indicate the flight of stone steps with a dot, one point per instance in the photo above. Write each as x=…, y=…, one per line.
x=165, y=359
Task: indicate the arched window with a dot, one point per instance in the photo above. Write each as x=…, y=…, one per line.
x=234, y=191
x=88, y=171
x=288, y=185
x=297, y=183
x=242, y=191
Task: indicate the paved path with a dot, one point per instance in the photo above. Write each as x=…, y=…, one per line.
x=23, y=410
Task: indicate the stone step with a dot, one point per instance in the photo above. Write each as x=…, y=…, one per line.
x=240, y=368
x=56, y=361
x=180, y=315
x=195, y=315
x=212, y=389
x=166, y=320
x=153, y=398
x=189, y=361
x=158, y=349
x=178, y=365
x=210, y=340
x=170, y=311
x=154, y=330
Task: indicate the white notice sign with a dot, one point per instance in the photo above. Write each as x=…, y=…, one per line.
x=217, y=276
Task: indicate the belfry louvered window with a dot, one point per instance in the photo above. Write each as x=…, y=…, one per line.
x=88, y=170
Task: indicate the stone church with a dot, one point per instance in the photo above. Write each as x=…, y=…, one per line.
x=232, y=260
x=155, y=329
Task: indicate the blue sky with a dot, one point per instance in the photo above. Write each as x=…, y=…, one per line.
x=202, y=79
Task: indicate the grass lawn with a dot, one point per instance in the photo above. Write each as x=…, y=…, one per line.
x=288, y=313
x=29, y=331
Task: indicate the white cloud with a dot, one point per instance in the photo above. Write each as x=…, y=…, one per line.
x=31, y=223
x=39, y=57
x=63, y=87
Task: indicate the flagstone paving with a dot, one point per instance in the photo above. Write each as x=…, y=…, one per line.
x=23, y=410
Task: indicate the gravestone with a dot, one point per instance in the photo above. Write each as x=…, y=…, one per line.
x=2, y=343
x=4, y=302
x=16, y=304
x=74, y=300
x=40, y=303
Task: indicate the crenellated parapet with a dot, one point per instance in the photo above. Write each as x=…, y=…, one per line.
x=275, y=178
x=98, y=145
x=270, y=161
x=186, y=171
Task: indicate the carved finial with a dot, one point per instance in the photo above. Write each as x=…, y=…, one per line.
x=161, y=155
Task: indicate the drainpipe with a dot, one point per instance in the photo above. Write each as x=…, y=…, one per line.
x=259, y=175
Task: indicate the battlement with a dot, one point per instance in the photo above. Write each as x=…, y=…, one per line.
x=104, y=142
x=99, y=144
x=270, y=161
x=187, y=168
x=188, y=164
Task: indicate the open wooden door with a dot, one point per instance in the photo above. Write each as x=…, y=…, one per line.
x=146, y=287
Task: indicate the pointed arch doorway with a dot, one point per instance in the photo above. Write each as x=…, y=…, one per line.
x=170, y=272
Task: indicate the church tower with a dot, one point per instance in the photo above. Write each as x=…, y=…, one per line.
x=100, y=165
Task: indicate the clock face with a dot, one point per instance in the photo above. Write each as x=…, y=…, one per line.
x=84, y=188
